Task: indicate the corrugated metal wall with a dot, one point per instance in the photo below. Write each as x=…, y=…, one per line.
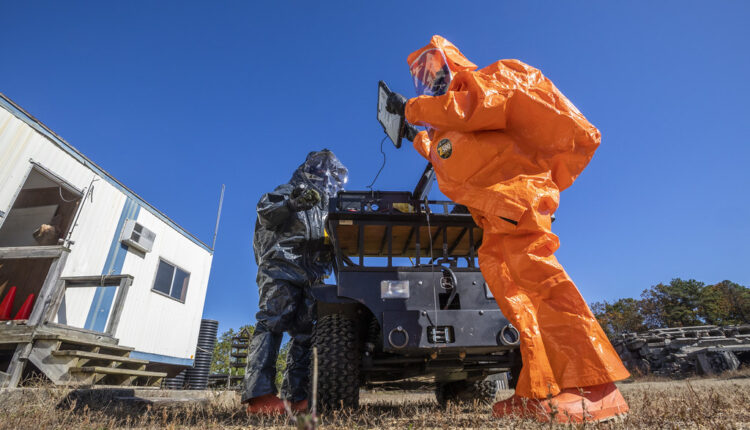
x=151, y=323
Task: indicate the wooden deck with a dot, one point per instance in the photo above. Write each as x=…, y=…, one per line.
x=71, y=356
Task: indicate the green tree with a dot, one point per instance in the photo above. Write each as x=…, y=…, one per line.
x=672, y=305
x=677, y=304
x=281, y=364
x=221, y=361
x=725, y=303
x=624, y=315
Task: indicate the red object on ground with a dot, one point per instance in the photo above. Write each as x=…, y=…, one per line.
x=26, y=307
x=7, y=305
x=574, y=405
x=267, y=404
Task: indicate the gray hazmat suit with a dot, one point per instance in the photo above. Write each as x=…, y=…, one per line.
x=291, y=255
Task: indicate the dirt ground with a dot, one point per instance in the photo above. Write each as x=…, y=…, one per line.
x=694, y=403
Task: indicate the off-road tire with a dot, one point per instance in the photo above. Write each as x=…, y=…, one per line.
x=465, y=392
x=339, y=361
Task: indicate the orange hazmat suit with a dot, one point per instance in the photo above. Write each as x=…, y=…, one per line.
x=504, y=142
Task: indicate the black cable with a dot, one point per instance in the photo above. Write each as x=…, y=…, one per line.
x=382, y=166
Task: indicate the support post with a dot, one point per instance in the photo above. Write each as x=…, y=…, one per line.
x=50, y=290
x=114, y=318
x=17, y=364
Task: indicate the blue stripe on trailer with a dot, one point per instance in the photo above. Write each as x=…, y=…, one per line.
x=104, y=296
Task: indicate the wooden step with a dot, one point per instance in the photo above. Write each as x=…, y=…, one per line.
x=117, y=371
x=84, y=342
x=102, y=375
x=70, y=357
x=75, y=332
x=15, y=333
x=98, y=356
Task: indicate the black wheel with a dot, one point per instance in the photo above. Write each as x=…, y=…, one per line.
x=465, y=391
x=339, y=360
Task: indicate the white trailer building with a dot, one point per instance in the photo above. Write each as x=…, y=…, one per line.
x=118, y=287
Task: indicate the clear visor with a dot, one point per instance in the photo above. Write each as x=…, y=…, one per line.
x=326, y=173
x=431, y=73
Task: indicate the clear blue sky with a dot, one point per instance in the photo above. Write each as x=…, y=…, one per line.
x=175, y=99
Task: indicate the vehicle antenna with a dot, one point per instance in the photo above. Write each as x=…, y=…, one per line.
x=218, y=217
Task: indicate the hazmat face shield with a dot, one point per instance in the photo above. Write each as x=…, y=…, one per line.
x=431, y=73
x=325, y=172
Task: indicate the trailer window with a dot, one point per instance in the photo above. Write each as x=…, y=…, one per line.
x=171, y=281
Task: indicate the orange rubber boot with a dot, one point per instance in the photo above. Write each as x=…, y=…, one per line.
x=267, y=404
x=593, y=404
x=516, y=407
x=300, y=406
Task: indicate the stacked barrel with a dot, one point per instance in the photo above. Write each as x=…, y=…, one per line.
x=175, y=383
x=196, y=377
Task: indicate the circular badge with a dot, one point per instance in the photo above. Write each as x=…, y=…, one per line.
x=444, y=148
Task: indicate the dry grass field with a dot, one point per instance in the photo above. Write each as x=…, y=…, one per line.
x=694, y=403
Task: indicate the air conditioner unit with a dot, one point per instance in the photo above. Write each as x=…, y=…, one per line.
x=137, y=236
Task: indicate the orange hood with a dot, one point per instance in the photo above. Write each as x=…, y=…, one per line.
x=456, y=60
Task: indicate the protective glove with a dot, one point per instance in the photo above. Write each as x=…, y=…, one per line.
x=410, y=132
x=396, y=104
x=303, y=198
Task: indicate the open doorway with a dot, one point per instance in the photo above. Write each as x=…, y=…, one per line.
x=31, y=236
x=42, y=213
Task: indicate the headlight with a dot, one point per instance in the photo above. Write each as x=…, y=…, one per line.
x=394, y=289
